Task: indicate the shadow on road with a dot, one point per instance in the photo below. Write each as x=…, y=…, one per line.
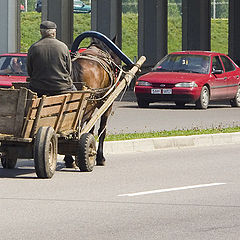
x=25, y=169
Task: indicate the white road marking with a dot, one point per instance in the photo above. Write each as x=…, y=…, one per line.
x=170, y=189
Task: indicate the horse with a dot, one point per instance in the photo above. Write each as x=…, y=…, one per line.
x=96, y=68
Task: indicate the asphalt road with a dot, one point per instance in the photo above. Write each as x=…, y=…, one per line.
x=128, y=118
x=190, y=193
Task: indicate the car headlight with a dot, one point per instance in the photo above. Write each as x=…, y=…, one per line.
x=186, y=84
x=143, y=83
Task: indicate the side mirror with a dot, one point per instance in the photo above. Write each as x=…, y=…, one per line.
x=217, y=71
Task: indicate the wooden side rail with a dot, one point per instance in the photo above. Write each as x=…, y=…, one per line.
x=14, y=105
x=62, y=112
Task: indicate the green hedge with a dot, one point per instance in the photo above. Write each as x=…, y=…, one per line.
x=30, y=22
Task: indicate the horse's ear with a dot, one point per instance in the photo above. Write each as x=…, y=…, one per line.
x=114, y=39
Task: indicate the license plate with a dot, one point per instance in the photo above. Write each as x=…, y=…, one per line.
x=156, y=91
x=167, y=91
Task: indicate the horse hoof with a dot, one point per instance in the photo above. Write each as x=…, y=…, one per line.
x=69, y=162
x=101, y=163
x=71, y=165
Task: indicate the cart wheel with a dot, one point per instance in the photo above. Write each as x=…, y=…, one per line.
x=8, y=163
x=45, y=152
x=86, y=157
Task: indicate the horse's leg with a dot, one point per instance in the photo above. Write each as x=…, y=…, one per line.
x=102, y=134
x=92, y=130
x=69, y=161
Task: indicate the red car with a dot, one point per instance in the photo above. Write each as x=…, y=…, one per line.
x=190, y=77
x=13, y=68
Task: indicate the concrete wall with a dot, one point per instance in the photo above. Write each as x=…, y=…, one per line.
x=60, y=12
x=9, y=26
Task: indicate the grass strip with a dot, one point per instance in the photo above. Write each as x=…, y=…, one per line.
x=172, y=133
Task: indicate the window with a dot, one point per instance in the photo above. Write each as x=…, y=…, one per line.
x=189, y=63
x=216, y=64
x=228, y=65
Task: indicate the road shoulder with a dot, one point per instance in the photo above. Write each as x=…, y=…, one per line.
x=151, y=144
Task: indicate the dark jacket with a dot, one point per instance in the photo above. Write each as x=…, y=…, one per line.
x=49, y=65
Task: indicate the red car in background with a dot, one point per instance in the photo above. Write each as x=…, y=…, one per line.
x=190, y=77
x=13, y=68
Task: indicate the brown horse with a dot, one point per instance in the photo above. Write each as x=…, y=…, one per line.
x=96, y=68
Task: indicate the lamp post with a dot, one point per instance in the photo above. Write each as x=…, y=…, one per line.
x=214, y=9
x=26, y=5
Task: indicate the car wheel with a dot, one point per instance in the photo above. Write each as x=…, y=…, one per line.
x=235, y=102
x=142, y=103
x=203, y=101
x=180, y=104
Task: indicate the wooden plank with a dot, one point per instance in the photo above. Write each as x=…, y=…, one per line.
x=8, y=102
x=78, y=94
x=32, y=96
x=27, y=128
x=54, y=110
x=80, y=112
x=43, y=109
x=63, y=107
x=47, y=122
x=35, y=124
x=7, y=125
x=8, y=137
x=71, y=105
x=32, y=99
x=66, y=123
x=13, y=109
x=20, y=111
x=36, y=103
x=18, y=85
x=57, y=99
x=76, y=117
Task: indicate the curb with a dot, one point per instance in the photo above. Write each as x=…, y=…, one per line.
x=151, y=144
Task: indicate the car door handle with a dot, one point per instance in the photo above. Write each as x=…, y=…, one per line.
x=225, y=78
x=237, y=76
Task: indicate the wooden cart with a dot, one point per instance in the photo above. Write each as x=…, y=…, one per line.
x=41, y=128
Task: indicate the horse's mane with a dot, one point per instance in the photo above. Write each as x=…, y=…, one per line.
x=98, y=43
x=101, y=45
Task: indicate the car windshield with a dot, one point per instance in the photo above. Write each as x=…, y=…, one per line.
x=13, y=65
x=189, y=63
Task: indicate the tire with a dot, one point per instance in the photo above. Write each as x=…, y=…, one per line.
x=203, y=101
x=8, y=163
x=180, y=104
x=86, y=157
x=45, y=152
x=142, y=103
x=235, y=102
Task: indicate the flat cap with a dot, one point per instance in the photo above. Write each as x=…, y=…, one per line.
x=48, y=25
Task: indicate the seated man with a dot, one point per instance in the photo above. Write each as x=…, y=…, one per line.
x=49, y=63
x=49, y=67
x=14, y=67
